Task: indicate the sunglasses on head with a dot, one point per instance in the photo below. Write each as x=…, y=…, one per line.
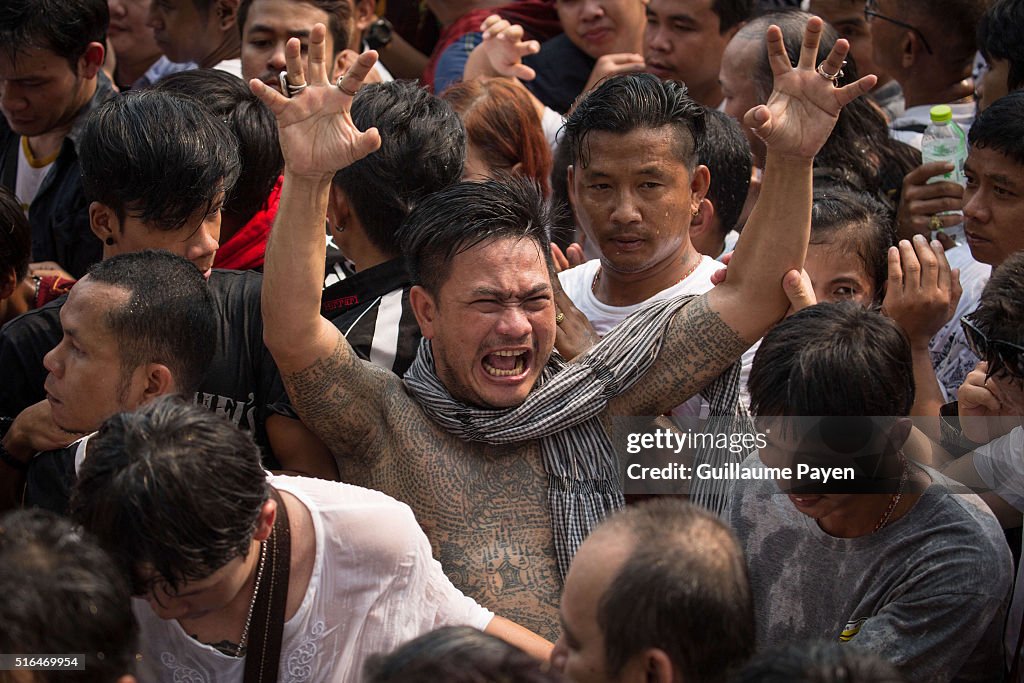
x=1000, y=355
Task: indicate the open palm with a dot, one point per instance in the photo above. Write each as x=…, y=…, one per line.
x=315, y=127
x=804, y=105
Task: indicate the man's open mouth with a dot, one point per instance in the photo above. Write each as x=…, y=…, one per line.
x=507, y=363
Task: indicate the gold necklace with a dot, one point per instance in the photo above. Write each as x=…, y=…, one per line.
x=895, y=500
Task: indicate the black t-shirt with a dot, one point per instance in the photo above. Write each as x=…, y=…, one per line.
x=562, y=73
x=50, y=478
x=241, y=384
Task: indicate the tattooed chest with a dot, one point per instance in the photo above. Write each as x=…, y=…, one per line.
x=485, y=511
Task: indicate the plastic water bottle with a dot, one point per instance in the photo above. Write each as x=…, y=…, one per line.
x=945, y=141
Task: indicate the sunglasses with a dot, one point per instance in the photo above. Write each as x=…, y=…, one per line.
x=870, y=12
x=1001, y=355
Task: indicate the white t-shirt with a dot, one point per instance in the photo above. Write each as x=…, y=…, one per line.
x=31, y=172
x=231, y=66
x=578, y=282
x=374, y=586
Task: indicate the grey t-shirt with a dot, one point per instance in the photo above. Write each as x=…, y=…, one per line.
x=927, y=592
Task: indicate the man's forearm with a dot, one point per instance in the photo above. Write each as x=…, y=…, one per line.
x=774, y=241
x=293, y=271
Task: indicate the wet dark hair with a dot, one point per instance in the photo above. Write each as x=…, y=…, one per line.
x=457, y=654
x=684, y=590
x=854, y=221
x=627, y=102
x=157, y=157
x=63, y=27
x=230, y=100
x=169, y=318
x=1000, y=311
x=824, y=662
x=1001, y=128
x=860, y=355
x=15, y=236
x=339, y=19
x=423, y=146
x=460, y=217
x=62, y=594
x=173, y=487
x=725, y=151
x=1001, y=36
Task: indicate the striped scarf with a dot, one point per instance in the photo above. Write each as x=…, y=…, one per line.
x=563, y=410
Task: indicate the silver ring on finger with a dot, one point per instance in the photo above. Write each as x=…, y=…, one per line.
x=342, y=88
x=831, y=77
x=287, y=88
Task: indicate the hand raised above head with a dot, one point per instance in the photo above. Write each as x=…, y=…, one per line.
x=315, y=126
x=805, y=103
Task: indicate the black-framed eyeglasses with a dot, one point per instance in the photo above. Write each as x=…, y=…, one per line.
x=870, y=12
x=1000, y=355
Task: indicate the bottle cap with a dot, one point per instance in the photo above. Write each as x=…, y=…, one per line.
x=941, y=113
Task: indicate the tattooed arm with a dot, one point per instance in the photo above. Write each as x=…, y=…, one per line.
x=337, y=395
x=711, y=333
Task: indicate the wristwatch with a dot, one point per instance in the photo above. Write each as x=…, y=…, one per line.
x=379, y=34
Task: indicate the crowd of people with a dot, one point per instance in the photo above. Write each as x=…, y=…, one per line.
x=321, y=336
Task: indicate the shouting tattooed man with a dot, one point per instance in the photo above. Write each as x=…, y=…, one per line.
x=499, y=446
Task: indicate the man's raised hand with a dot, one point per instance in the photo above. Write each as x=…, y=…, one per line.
x=804, y=105
x=315, y=125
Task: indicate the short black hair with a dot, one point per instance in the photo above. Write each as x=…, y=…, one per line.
x=684, y=589
x=823, y=662
x=63, y=27
x=1001, y=127
x=169, y=318
x=725, y=151
x=460, y=217
x=627, y=102
x=157, y=157
x=732, y=12
x=423, y=147
x=172, y=486
x=855, y=221
x=1001, y=36
x=861, y=356
x=15, y=236
x=62, y=594
x=229, y=99
x=1000, y=311
x=457, y=654
x=339, y=19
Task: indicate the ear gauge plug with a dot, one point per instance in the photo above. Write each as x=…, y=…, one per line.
x=109, y=241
